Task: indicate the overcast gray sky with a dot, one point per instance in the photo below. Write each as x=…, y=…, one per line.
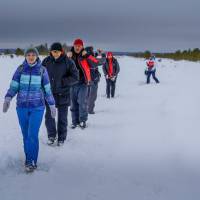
x=125, y=25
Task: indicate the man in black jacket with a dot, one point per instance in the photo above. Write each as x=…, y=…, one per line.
x=62, y=74
x=111, y=70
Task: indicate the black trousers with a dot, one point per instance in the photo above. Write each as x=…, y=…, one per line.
x=60, y=129
x=110, y=87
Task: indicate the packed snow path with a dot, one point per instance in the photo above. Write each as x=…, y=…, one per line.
x=144, y=144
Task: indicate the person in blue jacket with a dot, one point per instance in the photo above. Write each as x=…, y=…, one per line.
x=31, y=84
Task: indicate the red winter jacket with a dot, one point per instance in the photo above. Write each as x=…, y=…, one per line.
x=85, y=64
x=150, y=64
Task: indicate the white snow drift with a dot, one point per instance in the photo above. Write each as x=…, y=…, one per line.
x=143, y=145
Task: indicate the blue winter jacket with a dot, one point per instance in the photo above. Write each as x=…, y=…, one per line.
x=32, y=86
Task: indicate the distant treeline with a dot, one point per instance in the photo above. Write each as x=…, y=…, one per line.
x=192, y=55
x=43, y=49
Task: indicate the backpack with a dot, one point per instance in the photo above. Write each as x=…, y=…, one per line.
x=150, y=64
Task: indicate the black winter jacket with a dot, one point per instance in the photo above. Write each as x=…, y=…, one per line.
x=116, y=68
x=93, y=66
x=62, y=74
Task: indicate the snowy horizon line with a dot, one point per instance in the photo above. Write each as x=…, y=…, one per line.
x=106, y=50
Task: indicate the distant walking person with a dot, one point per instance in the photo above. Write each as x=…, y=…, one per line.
x=111, y=70
x=63, y=74
x=31, y=84
x=151, y=69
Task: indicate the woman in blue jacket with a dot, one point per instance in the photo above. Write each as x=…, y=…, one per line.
x=31, y=84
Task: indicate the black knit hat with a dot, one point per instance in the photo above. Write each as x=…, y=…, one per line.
x=56, y=47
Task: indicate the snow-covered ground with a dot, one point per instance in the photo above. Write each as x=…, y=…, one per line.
x=143, y=145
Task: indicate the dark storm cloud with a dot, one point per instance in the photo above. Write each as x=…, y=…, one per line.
x=128, y=25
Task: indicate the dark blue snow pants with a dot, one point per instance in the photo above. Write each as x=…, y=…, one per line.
x=153, y=74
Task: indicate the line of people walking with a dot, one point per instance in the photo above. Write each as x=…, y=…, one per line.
x=60, y=81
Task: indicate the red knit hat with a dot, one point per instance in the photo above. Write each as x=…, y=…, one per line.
x=78, y=42
x=109, y=54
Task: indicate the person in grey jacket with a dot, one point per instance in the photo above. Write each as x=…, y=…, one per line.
x=111, y=70
x=93, y=88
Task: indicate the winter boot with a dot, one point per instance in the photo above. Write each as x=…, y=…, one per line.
x=91, y=112
x=83, y=125
x=73, y=126
x=61, y=143
x=29, y=167
x=51, y=141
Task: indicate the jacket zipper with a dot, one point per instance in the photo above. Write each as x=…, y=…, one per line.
x=29, y=88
